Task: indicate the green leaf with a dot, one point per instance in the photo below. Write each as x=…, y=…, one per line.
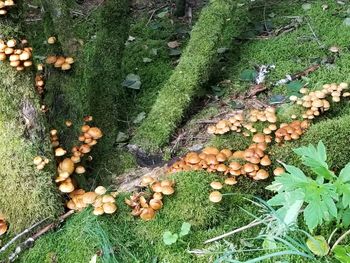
x=147, y=60
x=306, y=6
x=185, y=229
x=277, y=99
x=132, y=81
x=140, y=117
x=163, y=13
x=248, y=75
x=318, y=245
x=344, y=174
x=169, y=238
x=294, y=87
x=342, y=253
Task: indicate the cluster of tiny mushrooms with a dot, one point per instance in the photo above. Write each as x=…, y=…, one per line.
x=17, y=52
x=145, y=203
x=5, y=6
x=253, y=161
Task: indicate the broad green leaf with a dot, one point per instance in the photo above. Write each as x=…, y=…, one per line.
x=318, y=245
x=345, y=217
x=294, y=87
x=185, y=229
x=344, y=174
x=313, y=215
x=132, y=81
x=342, y=253
x=248, y=75
x=169, y=238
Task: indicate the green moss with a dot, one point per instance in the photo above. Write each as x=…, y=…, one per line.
x=26, y=194
x=190, y=74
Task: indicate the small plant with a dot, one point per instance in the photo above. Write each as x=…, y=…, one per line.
x=324, y=198
x=171, y=238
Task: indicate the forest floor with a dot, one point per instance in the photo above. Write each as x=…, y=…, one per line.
x=109, y=42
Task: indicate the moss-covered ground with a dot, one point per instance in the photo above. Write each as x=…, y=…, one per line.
x=94, y=87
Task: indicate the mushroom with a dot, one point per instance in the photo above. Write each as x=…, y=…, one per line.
x=261, y=175
x=210, y=151
x=230, y=181
x=95, y=133
x=68, y=123
x=278, y=171
x=66, y=66
x=3, y=227
x=147, y=214
x=37, y=160
x=66, y=165
x=158, y=196
x=109, y=208
x=265, y=161
x=216, y=185
x=60, y=152
x=89, y=197
x=167, y=190
x=51, y=40
x=156, y=187
x=156, y=204
x=235, y=165
x=147, y=180
x=66, y=186
x=259, y=138
x=98, y=211
x=215, y=197
x=108, y=199
x=80, y=169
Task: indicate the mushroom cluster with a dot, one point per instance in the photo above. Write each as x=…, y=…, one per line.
x=103, y=202
x=145, y=204
x=40, y=162
x=291, y=131
x=65, y=63
x=5, y=6
x=3, y=225
x=39, y=83
x=239, y=121
x=223, y=126
x=19, y=55
x=316, y=101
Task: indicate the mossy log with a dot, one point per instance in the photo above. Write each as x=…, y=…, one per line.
x=192, y=71
x=26, y=194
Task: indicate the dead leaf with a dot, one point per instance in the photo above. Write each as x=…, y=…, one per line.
x=173, y=44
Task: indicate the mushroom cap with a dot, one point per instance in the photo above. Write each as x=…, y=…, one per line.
x=66, y=66
x=51, y=40
x=66, y=165
x=156, y=187
x=210, y=150
x=85, y=148
x=108, y=199
x=167, y=190
x=3, y=227
x=230, y=181
x=98, y=211
x=221, y=157
x=216, y=185
x=235, y=165
x=265, y=161
x=211, y=159
x=9, y=50
x=89, y=197
x=66, y=187
x=59, y=62
x=71, y=205
x=11, y=43
x=147, y=180
x=258, y=138
x=98, y=202
x=215, y=197
x=77, y=192
x=25, y=55
x=221, y=168
x=61, y=177
x=95, y=133
x=2, y=56
x=69, y=60
x=14, y=58
x=27, y=64
x=278, y=171
x=238, y=155
x=37, y=160
x=156, y=204
x=51, y=59
x=158, y=196
x=192, y=158
x=15, y=63
x=147, y=214
x=227, y=152
x=80, y=169
x=167, y=183
x=109, y=208
x=261, y=175
x=248, y=167
x=60, y=152
x=75, y=159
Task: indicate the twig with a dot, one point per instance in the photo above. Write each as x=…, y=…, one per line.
x=314, y=34
x=21, y=234
x=254, y=223
x=331, y=236
x=153, y=12
x=340, y=239
x=29, y=242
